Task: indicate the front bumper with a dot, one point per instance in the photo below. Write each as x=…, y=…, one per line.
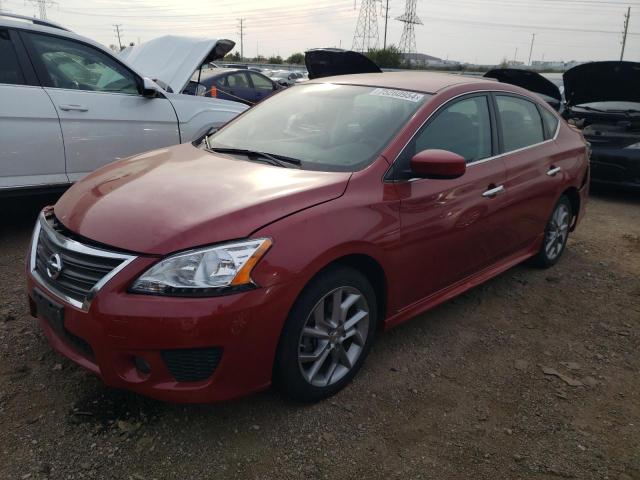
x=121, y=328
x=616, y=166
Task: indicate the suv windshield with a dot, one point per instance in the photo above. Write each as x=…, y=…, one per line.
x=326, y=126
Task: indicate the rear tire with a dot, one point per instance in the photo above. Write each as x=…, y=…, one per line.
x=556, y=234
x=327, y=335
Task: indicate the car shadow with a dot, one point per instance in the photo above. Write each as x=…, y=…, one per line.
x=618, y=195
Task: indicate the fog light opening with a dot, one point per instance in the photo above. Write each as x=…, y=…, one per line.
x=142, y=365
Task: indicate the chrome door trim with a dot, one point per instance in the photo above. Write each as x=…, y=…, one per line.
x=493, y=192
x=553, y=171
x=483, y=160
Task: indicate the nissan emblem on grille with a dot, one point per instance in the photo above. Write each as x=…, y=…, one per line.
x=54, y=266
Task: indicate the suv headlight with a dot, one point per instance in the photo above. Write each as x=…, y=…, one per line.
x=204, y=271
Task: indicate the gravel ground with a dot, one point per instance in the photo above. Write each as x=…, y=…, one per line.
x=535, y=374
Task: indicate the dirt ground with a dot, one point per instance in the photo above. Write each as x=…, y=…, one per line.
x=458, y=393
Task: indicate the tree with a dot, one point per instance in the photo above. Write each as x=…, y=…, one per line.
x=232, y=57
x=296, y=59
x=275, y=60
x=389, y=57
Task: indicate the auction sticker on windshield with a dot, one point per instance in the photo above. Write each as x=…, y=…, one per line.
x=402, y=94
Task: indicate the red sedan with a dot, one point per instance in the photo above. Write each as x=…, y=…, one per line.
x=275, y=251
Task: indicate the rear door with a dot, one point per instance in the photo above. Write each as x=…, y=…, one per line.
x=103, y=115
x=262, y=86
x=31, y=148
x=534, y=168
x=451, y=228
x=239, y=87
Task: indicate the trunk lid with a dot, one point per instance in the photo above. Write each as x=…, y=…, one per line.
x=327, y=62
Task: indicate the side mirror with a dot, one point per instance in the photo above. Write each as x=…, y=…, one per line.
x=439, y=164
x=149, y=88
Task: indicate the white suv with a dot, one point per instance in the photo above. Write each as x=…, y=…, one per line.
x=69, y=106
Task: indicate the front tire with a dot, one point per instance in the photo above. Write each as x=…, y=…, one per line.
x=327, y=336
x=556, y=234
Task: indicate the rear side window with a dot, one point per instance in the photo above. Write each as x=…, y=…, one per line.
x=463, y=128
x=10, y=71
x=550, y=122
x=260, y=82
x=520, y=121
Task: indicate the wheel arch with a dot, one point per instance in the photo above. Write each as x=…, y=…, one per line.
x=574, y=198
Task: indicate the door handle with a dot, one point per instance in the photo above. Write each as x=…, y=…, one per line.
x=553, y=171
x=492, y=192
x=75, y=108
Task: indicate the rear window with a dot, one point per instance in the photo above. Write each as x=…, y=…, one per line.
x=520, y=121
x=10, y=71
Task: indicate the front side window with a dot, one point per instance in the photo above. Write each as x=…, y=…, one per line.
x=326, y=126
x=520, y=122
x=260, y=82
x=10, y=71
x=73, y=65
x=463, y=127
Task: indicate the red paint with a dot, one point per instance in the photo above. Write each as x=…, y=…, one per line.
x=432, y=238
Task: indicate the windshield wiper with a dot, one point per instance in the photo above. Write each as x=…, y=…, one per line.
x=599, y=110
x=273, y=159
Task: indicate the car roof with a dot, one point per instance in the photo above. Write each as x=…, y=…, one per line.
x=216, y=72
x=426, y=82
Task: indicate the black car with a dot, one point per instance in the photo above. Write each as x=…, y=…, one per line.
x=240, y=85
x=603, y=100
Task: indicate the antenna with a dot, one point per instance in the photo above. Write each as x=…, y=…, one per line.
x=408, y=38
x=366, y=35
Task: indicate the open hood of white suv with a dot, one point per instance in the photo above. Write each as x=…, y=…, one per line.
x=173, y=59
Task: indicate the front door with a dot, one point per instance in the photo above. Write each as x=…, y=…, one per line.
x=451, y=228
x=31, y=149
x=102, y=113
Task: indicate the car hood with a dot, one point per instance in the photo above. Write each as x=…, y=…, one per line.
x=602, y=82
x=532, y=81
x=184, y=197
x=327, y=62
x=173, y=59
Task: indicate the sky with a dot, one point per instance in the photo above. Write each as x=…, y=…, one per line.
x=474, y=31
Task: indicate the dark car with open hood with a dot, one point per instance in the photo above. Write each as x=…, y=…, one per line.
x=603, y=100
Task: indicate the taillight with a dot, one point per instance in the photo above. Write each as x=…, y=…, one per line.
x=213, y=92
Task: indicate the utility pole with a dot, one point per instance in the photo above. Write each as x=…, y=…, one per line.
x=117, y=27
x=42, y=7
x=533, y=38
x=241, y=20
x=626, y=30
x=515, y=56
x=386, y=20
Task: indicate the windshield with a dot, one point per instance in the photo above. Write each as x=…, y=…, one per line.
x=326, y=126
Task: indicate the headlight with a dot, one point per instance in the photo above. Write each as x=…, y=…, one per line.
x=635, y=146
x=205, y=271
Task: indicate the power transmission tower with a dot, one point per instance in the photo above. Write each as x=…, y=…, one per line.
x=627, y=17
x=42, y=7
x=117, y=27
x=366, y=35
x=242, y=34
x=386, y=20
x=410, y=20
x=533, y=38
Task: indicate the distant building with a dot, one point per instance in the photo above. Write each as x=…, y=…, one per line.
x=553, y=65
x=424, y=60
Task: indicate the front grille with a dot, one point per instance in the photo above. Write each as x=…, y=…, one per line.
x=83, y=266
x=192, y=364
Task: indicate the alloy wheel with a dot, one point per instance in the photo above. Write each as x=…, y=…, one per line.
x=334, y=336
x=557, y=231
